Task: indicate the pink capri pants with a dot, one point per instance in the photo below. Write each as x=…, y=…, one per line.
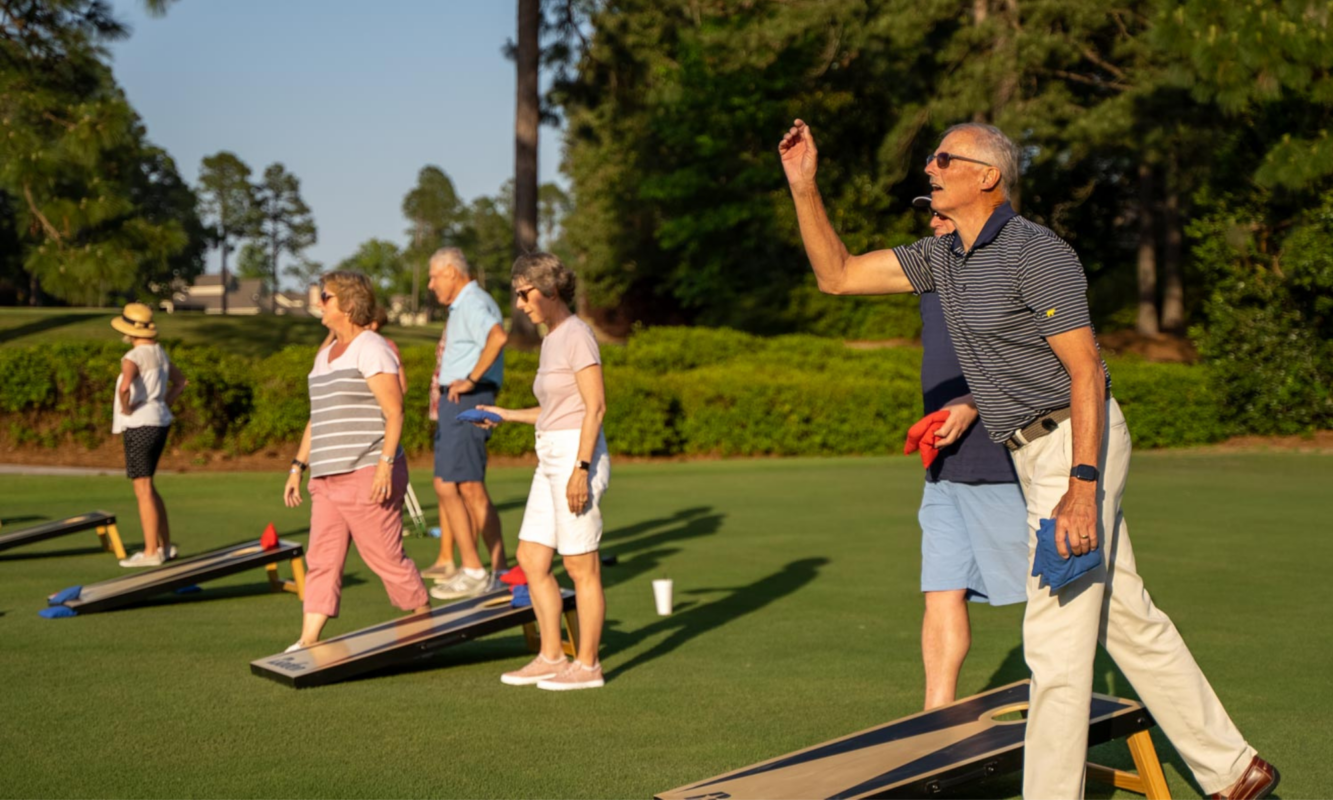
x=341, y=511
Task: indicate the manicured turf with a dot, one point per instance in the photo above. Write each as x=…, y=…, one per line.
x=797, y=622
x=239, y=334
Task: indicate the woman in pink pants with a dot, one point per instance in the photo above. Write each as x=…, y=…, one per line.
x=358, y=475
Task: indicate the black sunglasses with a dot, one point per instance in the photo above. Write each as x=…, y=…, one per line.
x=324, y=296
x=944, y=159
x=523, y=293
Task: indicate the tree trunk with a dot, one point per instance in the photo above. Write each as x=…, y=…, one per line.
x=416, y=267
x=1147, y=321
x=275, y=245
x=522, y=333
x=1173, y=289
x=224, y=272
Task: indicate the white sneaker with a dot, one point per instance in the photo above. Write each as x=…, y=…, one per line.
x=461, y=585
x=141, y=559
x=169, y=554
x=294, y=648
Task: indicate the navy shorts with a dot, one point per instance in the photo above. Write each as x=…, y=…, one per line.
x=460, y=447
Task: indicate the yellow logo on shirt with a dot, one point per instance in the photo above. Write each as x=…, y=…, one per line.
x=1050, y=313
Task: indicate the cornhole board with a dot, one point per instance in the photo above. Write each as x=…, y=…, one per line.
x=178, y=574
x=935, y=751
x=402, y=641
x=103, y=522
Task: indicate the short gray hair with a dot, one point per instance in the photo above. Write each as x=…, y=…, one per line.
x=547, y=273
x=995, y=148
x=454, y=257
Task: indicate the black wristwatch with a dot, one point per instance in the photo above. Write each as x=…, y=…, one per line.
x=586, y=466
x=1085, y=472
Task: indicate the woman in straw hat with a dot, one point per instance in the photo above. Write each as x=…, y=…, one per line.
x=147, y=386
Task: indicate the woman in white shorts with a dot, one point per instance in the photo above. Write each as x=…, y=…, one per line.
x=563, y=513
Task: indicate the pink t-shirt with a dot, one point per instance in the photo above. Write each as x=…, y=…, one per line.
x=569, y=348
x=368, y=353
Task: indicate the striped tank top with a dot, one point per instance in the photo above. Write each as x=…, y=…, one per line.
x=346, y=423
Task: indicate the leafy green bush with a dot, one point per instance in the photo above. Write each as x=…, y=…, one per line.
x=1269, y=336
x=670, y=391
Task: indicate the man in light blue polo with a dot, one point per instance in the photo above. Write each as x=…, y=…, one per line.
x=471, y=370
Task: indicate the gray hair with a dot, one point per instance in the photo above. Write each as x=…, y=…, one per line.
x=454, y=257
x=547, y=274
x=994, y=148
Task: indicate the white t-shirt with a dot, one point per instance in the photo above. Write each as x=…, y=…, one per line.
x=150, y=386
x=569, y=348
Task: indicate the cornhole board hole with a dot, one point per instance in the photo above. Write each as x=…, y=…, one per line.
x=408, y=639
x=178, y=574
x=940, y=750
x=103, y=522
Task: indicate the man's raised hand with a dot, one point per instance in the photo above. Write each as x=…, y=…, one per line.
x=799, y=155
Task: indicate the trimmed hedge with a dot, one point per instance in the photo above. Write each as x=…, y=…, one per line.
x=670, y=391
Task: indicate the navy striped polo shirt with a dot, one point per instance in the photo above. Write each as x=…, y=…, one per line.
x=1019, y=284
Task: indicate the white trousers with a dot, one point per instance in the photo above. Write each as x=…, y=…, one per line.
x=1108, y=605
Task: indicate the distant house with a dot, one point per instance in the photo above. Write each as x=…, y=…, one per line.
x=244, y=296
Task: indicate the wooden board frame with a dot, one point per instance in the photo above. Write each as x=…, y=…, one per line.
x=104, y=522
x=400, y=642
x=182, y=572
x=933, y=752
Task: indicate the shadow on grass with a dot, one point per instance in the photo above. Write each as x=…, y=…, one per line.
x=74, y=551
x=705, y=617
x=40, y=325
x=24, y=518
x=646, y=553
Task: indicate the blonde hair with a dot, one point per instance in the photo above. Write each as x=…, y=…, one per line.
x=356, y=297
x=547, y=274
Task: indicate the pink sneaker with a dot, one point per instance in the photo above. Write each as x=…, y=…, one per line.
x=575, y=676
x=538, y=669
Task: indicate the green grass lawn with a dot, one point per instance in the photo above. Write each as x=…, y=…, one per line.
x=243, y=335
x=797, y=622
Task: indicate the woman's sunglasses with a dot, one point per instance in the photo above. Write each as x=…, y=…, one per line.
x=523, y=293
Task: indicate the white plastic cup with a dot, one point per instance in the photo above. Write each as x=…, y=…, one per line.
x=662, y=594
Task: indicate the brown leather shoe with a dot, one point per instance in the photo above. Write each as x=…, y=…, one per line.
x=1259, y=780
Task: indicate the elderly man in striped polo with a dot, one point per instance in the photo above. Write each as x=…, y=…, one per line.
x=1015, y=303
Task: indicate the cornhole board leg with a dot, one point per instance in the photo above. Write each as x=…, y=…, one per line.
x=1148, y=781
x=110, y=537
x=569, y=646
x=296, y=585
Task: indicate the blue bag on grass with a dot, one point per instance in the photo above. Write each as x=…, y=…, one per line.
x=1054, y=570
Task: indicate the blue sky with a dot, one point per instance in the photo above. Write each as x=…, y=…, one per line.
x=352, y=97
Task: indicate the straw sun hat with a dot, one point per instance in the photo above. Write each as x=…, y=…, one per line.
x=136, y=321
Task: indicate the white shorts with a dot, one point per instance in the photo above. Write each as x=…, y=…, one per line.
x=547, y=519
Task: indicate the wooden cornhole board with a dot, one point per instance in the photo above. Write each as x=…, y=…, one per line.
x=183, y=572
x=402, y=641
x=103, y=522
x=933, y=752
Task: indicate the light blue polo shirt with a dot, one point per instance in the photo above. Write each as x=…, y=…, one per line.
x=471, y=317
